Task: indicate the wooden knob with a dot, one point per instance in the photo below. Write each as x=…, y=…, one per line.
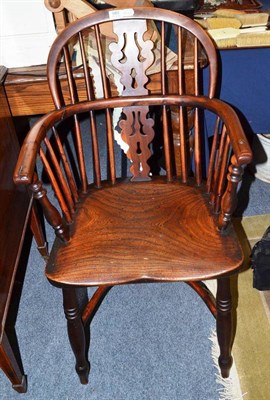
x=54, y=5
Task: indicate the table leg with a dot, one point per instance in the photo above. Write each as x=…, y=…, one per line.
x=10, y=366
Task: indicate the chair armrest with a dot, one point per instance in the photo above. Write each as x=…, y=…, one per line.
x=26, y=162
x=25, y=167
x=240, y=145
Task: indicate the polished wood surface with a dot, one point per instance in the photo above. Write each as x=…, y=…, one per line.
x=15, y=211
x=102, y=236
x=27, y=91
x=111, y=231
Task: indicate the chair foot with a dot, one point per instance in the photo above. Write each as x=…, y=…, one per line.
x=22, y=387
x=43, y=250
x=224, y=325
x=225, y=365
x=83, y=373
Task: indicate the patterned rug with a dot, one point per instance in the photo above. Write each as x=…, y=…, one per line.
x=252, y=340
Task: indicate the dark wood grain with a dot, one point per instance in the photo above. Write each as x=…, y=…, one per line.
x=16, y=211
x=146, y=229
x=143, y=232
x=15, y=205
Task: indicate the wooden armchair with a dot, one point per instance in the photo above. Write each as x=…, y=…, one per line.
x=145, y=228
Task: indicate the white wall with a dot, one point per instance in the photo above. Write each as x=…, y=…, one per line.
x=26, y=32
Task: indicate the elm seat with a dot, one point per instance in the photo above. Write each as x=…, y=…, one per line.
x=174, y=227
x=128, y=232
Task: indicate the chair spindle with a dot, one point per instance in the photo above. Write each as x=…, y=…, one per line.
x=223, y=174
x=166, y=140
x=213, y=155
x=66, y=166
x=163, y=58
x=106, y=91
x=218, y=163
x=197, y=148
x=90, y=96
x=196, y=67
x=60, y=176
x=74, y=99
x=55, y=186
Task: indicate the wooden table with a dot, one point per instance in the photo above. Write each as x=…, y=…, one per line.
x=15, y=212
x=15, y=206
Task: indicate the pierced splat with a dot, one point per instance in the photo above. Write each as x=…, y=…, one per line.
x=132, y=56
x=137, y=131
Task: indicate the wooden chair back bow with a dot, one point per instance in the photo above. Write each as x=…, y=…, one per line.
x=145, y=228
x=174, y=48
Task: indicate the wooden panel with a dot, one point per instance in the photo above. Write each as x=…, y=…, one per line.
x=27, y=91
x=14, y=206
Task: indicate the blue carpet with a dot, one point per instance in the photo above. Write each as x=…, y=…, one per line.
x=253, y=196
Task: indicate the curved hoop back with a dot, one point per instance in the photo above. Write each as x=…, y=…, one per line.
x=151, y=51
x=192, y=46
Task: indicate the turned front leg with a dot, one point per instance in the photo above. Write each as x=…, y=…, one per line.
x=76, y=333
x=224, y=325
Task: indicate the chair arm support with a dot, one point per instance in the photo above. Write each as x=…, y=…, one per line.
x=52, y=215
x=229, y=199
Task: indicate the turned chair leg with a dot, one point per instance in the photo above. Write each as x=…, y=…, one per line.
x=76, y=332
x=224, y=325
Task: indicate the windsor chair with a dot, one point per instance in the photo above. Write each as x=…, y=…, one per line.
x=112, y=230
